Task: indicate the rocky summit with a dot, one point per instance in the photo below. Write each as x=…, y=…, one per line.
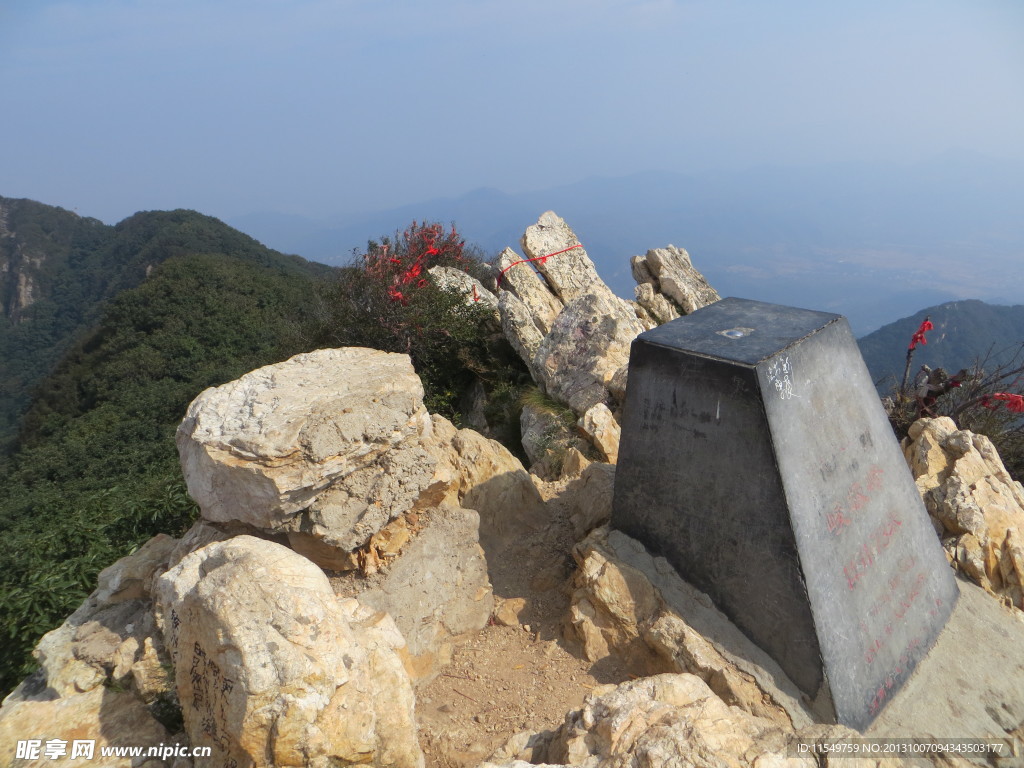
x=369, y=584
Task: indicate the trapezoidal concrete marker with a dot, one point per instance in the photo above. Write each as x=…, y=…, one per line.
x=757, y=459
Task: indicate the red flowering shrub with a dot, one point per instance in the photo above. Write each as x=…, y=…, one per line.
x=400, y=264
x=986, y=399
x=384, y=299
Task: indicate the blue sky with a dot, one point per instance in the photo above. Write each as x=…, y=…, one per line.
x=318, y=107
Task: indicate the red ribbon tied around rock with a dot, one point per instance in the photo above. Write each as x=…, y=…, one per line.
x=1013, y=402
x=918, y=337
x=541, y=259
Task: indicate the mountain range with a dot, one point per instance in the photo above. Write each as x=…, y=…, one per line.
x=108, y=332
x=871, y=242
x=965, y=334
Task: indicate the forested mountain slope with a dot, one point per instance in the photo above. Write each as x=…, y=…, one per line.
x=93, y=470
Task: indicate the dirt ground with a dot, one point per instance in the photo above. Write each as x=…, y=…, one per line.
x=507, y=679
x=521, y=672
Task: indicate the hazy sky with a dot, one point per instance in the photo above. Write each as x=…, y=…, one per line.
x=325, y=106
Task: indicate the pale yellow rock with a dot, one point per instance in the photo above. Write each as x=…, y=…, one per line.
x=131, y=577
x=968, y=491
x=271, y=669
x=472, y=289
x=571, y=330
x=560, y=257
x=676, y=287
x=265, y=446
x=437, y=590
x=584, y=499
x=660, y=309
x=583, y=358
x=678, y=280
x=522, y=281
x=151, y=673
x=617, y=611
x=520, y=328
x=600, y=426
x=574, y=464
x=101, y=715
x=507, y=612
x=670, y=720
x=478, y=473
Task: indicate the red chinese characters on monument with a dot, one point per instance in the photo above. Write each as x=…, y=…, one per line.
x=857, y=497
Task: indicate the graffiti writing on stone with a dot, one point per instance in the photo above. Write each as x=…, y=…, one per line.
x=210, y=692
x=780, y=376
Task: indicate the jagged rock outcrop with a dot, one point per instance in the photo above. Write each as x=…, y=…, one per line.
x=272, y=669
x=621, y=605
x=674, y=720
x=561, y=258
x=670, y=274
x=568, y=326
x=523, y=283
x=570, y=329
x=977, y=508
x=582, y=361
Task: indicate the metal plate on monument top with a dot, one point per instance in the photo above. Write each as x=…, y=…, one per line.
x=756, y=457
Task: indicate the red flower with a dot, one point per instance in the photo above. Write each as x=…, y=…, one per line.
x=1013, y=402
x=918, y=337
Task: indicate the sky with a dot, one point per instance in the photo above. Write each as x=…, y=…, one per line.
x=321, y=107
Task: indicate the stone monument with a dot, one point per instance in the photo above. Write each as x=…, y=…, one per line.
x=756, y=457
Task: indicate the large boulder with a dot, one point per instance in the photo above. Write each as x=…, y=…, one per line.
x=272, y=669
x=976, y=507
x=325, y=445
x=437, y=591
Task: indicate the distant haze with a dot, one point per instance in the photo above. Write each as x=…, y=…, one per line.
x=784, y=144
x=325, y=107
x=872, y=242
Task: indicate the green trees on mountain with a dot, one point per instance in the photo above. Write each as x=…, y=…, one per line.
x=173, y=303
x=96, y=472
